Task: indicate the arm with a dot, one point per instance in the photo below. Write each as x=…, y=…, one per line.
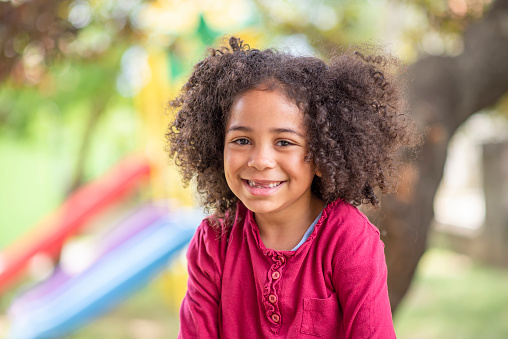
x=199, y=312
x=360, y=279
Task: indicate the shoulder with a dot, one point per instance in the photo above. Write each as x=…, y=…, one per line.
x=350, y=234
x=214, y=231
x=212, y=239
x=208, y=238
x=349, y=220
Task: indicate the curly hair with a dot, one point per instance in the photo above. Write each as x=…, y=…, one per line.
x=353, y=107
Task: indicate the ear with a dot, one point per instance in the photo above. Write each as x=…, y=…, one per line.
x=319, y=174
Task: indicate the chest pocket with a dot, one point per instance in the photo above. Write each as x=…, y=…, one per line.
x=320, y=316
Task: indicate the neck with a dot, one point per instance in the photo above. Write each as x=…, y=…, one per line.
x=284, y=232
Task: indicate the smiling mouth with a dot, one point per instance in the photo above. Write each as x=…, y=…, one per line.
x=256, y=184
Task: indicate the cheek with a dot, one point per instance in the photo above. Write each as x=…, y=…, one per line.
x=300, y=159
x=299, y=167
x=227, y=159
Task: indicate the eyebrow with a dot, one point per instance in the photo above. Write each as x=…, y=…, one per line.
x=273, y=130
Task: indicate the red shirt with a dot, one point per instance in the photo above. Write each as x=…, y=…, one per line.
x=333, y=285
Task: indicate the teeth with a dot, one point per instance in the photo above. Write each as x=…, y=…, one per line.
x=271, y=185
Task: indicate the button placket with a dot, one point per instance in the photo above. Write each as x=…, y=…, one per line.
x=271, y=299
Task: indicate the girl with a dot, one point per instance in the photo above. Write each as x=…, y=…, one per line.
x=282, y=149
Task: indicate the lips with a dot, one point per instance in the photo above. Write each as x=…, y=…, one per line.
x=263, y=188
x=263, y=184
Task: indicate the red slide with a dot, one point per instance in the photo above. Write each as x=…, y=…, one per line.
x=49, y=235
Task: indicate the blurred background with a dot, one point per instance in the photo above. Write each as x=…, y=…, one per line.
x=86, y=188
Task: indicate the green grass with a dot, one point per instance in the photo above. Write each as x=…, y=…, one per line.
x=451, y=297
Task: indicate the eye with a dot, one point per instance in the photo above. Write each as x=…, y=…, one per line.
x=284, y=143
x=241, y=141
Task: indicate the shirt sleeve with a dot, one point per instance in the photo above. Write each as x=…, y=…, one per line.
x=360, y=280
x=199, y=312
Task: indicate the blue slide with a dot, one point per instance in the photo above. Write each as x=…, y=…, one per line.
x=121, y=271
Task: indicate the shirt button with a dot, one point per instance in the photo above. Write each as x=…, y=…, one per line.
x=275, y=317
x=272, y=298
x=275, y=275
x=281, y=258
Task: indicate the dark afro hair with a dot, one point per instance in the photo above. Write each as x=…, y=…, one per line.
x=353, y=110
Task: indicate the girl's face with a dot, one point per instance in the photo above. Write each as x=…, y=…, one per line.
x=264, y=154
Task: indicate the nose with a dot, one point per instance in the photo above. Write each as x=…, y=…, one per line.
x=262, y=158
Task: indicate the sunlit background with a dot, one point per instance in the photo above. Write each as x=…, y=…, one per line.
x=84, y=87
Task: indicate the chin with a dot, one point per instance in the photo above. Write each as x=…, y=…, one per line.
x=260, y=207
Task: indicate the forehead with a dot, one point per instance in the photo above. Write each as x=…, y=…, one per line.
x=270, y=107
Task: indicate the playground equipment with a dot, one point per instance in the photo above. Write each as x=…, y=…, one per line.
x=69, y=219
x=133, y=223
x=130, y=259
x=125, y=259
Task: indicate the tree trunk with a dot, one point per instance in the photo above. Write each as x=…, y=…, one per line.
x=443, y=93
x=98, y=108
